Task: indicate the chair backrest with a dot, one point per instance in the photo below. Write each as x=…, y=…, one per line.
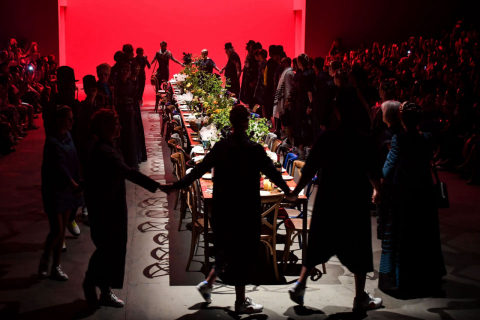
x=297, y=167
x=179, y=159
x=271, y=203
x=275, y=145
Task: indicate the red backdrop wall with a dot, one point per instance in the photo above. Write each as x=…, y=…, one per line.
x=95, y=30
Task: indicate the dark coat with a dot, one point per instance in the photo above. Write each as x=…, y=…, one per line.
x=105, y=195
x=415, y=227
x=341, y=223
x=103, y=100
x=60, y=166
x=236, y=205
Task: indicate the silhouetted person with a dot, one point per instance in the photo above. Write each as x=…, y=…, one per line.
x=347, y=161
x=237, y=162
x=60, y=189
x=105, y=196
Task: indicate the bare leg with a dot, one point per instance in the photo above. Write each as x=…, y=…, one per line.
x=240, y=294
x=212, y=277
x=304, y=275
x=53, y=236
x=57, y=249
x=360, y=279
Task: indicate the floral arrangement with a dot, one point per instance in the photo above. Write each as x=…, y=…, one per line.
x=257, y=129
x=210, y=96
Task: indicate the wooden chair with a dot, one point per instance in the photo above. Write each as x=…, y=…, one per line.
x=161, y=93
x=297, y=168
x=198, y=222
x=179, y=162
x=269, y=230
x=275, y=145
x=172, y=145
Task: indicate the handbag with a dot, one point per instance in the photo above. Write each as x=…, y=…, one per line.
x=441, y=192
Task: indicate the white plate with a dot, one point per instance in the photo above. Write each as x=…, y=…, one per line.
x=284, y=170
x=195, y=139
x=264, y=193
x=207, y=176
x=198, y=149
x=287, y=177
x=198, y=158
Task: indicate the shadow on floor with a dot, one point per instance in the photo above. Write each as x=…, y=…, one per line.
x=77, y=309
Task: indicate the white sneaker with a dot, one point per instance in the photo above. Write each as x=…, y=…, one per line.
x=111, y=300
x=73, y=228
x=248, y=306
x=58, y=274
x=205, y=291
x=367, y=302
x=297, y=292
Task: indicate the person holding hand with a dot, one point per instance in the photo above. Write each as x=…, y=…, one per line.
x=238, y=162
x=105, y=195
x=341, y=223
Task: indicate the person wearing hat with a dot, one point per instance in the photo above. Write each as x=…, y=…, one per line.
x=249, y=75
x=66, y=88
x=233, y=69
x=236, y=241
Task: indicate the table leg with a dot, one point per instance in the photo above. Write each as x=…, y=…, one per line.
x=304, y=230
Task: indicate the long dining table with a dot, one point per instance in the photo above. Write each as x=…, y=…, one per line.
x=207, y=191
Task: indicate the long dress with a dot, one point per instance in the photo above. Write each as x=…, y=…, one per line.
x=412, y=259
x=236, y=207
x=124, y=105
x=341, y=215
x=141, y=146
x=105, y=195
x=249, y=76
x=231, y=73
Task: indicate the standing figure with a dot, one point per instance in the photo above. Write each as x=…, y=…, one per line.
x=250, y=69
x=61, y=192
x=206, y=64
x=107, y=207
x=341, y=210
x=142, y=61
x=233, y=69
x=104, y=97
x=124, y=105
x=238, y=159
x=163, y=58
x=137, y=97
x=415, y=213
x=259, y=93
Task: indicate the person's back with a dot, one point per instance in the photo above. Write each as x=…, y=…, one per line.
x=414, y=151
x=346, y=158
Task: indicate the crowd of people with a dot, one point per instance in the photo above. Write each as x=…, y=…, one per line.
x=27, y=80
x=395, y=114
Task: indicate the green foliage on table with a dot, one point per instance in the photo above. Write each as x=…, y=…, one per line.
x=257, y=129
x=209, y=91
